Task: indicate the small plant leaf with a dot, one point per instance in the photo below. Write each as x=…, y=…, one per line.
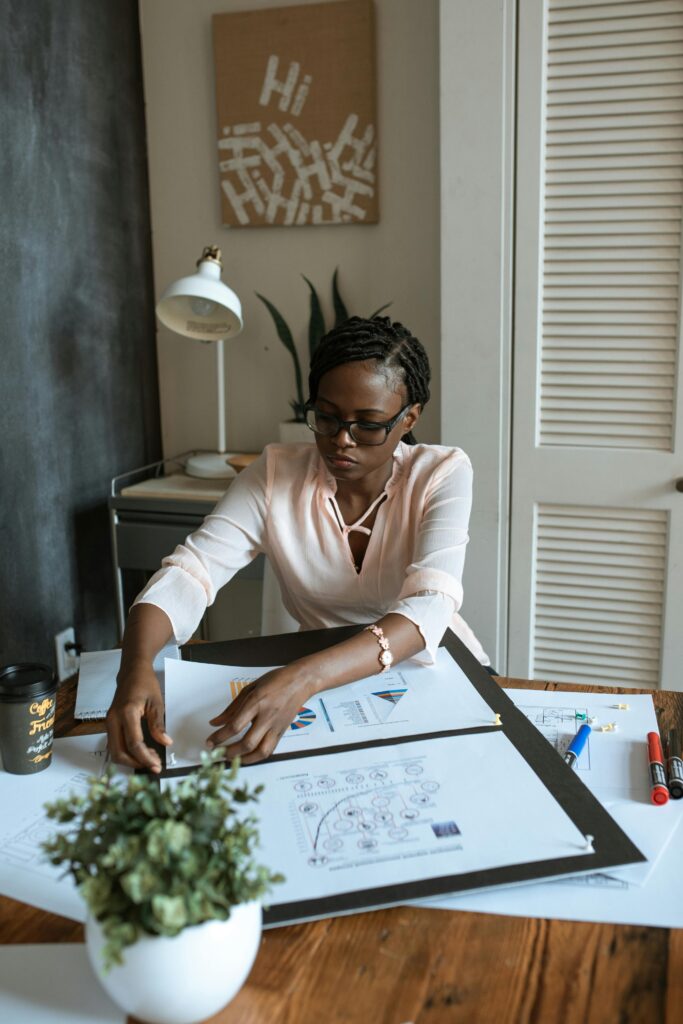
x=340, y=311
x=285, y=336
x=170, y=911
x=316, y=323
x=381, y=309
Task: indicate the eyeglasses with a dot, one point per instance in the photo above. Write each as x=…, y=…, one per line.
x=362, y=431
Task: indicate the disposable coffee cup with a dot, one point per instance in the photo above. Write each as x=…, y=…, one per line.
x=28, y=701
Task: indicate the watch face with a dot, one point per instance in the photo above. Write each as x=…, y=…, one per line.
x=386, y=658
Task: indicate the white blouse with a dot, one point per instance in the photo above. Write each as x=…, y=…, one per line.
x=283, y=505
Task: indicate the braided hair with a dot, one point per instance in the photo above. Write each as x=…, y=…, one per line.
x=391, y=344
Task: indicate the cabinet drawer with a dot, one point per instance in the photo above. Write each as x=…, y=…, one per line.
x=143, y=545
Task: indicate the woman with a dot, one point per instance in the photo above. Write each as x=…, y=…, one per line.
x=365, y=526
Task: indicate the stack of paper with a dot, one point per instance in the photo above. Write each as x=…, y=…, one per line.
x=25, y=874
x=97, y=679
x=420, y=781
x=614, y=766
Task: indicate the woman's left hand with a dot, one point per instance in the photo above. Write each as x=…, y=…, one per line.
x=270, y=705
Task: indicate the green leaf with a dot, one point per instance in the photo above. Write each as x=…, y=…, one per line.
x=316, y=323
x=166, y=839
x=170, y=911
x=96, y=891
x=380, y=310
x=285, y=336
x=140, y=882
x=340, y=311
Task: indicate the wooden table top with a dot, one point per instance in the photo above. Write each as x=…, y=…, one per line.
x=409, y=965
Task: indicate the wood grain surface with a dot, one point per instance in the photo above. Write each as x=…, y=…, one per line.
x=422, y=966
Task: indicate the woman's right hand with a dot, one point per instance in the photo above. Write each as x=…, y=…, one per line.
x=138, y=696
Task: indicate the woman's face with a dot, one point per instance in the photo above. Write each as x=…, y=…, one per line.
x=362, y=391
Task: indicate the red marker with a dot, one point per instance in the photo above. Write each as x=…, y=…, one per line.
x=659, y=793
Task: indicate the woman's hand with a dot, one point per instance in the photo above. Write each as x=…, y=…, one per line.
x=270, y=705
x=137, y=696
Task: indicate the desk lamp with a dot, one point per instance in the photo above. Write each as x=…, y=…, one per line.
x=202, y=307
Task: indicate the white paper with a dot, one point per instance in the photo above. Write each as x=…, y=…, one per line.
x=408, y=700
x=613, y=765
x=366, y=819
x=593, y=897
x=52, y=984
x=25, y=874
x=97, y=679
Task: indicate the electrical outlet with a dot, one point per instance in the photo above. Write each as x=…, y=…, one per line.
x=67, y=661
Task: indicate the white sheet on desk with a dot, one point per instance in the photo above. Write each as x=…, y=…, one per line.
x=52, y=984
x=97, y=679
x=25, y=874
x=408, y=700
x=366, y=819
x=594, y=897
x=613, y=765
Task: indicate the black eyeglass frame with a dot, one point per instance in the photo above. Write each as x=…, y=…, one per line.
x=349, y=424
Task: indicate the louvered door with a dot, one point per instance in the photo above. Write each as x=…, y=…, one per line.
x=596, y=534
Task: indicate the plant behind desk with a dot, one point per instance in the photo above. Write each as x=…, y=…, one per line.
x=316, y=330
x=153, y=861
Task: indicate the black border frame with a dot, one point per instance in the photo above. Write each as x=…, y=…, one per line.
x=611, y=846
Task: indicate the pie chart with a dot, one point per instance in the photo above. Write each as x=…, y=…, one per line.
x=304, y=717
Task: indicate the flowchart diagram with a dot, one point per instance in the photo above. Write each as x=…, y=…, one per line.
x=367, y=813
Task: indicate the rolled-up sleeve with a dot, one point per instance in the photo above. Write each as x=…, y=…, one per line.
x=228, y=539
x=432, y=589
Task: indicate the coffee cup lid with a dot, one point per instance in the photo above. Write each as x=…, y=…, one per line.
x=26, y=679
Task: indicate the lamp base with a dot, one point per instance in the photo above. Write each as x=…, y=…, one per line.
x=210, y=466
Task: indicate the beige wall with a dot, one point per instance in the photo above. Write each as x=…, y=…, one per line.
x=396, y=259
x=477, y=41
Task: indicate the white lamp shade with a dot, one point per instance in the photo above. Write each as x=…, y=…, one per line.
x=201, y=306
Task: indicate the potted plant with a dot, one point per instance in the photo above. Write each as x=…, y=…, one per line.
x=171, y=884
x=296, y=429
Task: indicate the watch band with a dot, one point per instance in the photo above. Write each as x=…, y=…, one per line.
x=385, y=656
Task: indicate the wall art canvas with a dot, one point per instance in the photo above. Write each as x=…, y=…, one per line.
x=297, y=122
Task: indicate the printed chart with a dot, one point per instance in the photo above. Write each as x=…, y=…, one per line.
x=370, y=812
x=351, y=822
x=25, y=874
x=559, y=725
x=409, y=700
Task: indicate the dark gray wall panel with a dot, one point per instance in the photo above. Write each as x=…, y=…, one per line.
x=78, y=386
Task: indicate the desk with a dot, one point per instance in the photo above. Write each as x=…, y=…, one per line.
x=422, y=966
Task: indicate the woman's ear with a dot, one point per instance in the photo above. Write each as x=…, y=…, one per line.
x=411, y=418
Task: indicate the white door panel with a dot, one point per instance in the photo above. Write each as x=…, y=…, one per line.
x=596, y=571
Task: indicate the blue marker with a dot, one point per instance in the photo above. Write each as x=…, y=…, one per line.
x=577, y=745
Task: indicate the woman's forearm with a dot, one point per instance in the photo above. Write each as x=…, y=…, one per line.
x=148, y=629
x=358, y=657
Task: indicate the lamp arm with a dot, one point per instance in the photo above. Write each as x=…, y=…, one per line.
x=220, y=375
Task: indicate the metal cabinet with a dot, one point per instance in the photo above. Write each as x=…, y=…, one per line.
x=151, y=510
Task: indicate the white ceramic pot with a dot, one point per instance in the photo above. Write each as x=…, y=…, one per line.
x=293, y=432
x=185, y=979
